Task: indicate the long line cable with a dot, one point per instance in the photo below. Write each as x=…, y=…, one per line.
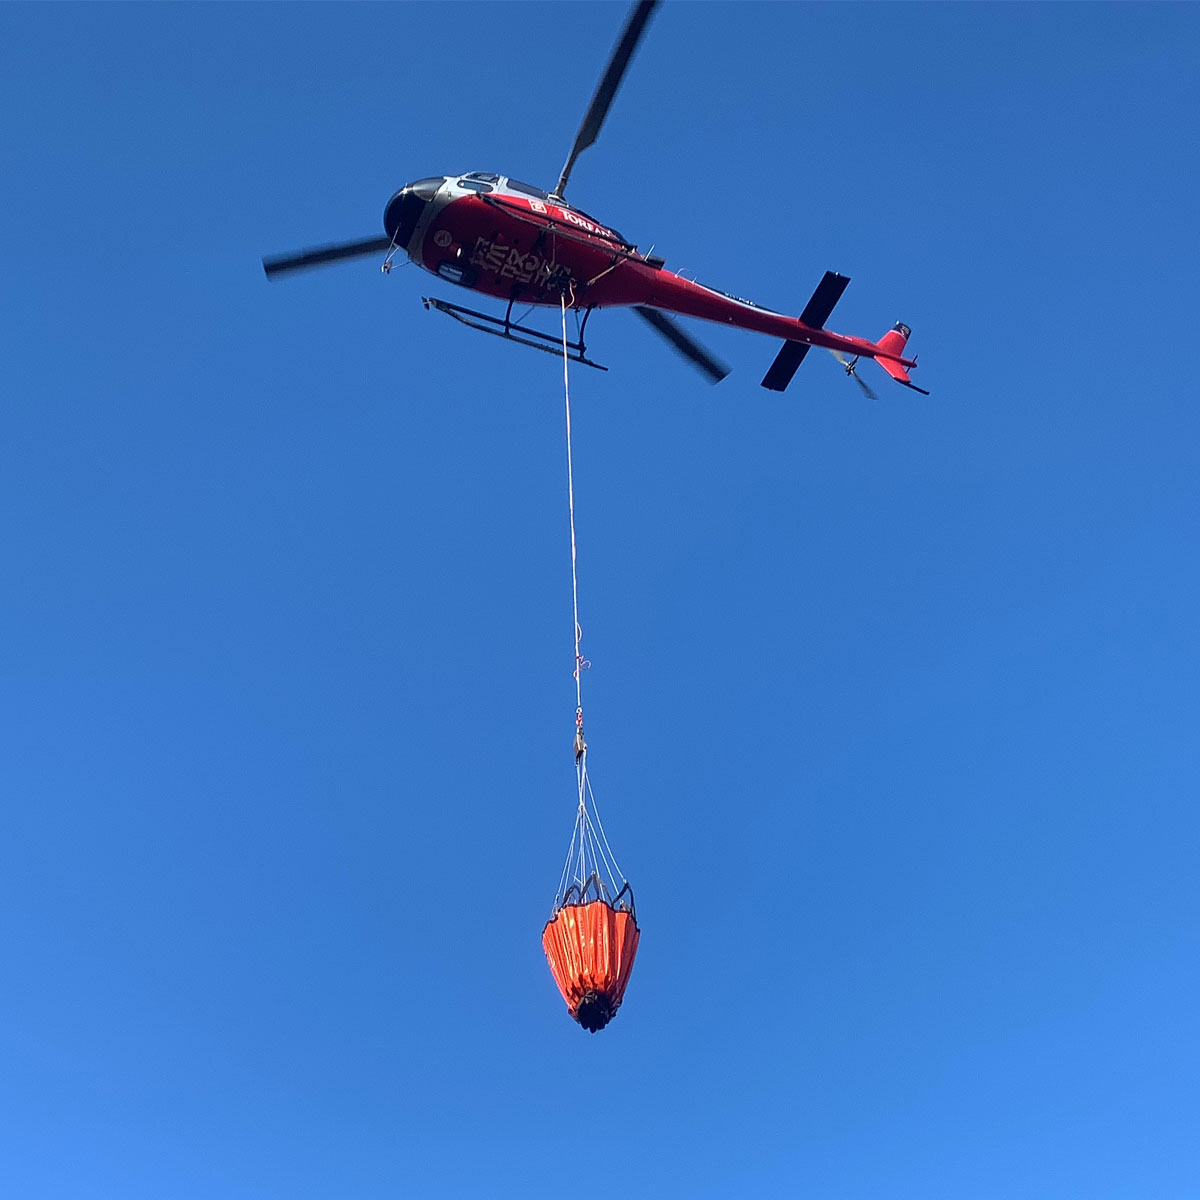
x=584, y=839
x=580, y=830
x=579, y=661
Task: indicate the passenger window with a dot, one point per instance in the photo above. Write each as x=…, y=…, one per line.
x=528, y=189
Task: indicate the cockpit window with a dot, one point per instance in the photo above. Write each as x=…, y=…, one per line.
x=482, y=177
x=474, y=185
x=527, y=189
x=426, y=188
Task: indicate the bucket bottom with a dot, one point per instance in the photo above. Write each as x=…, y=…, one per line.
x=594, y=1011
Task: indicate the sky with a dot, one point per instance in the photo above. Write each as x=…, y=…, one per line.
x=893, y=710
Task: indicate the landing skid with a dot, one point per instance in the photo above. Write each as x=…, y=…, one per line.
x=549, y=342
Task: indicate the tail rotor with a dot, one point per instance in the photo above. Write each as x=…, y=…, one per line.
x=850, y=365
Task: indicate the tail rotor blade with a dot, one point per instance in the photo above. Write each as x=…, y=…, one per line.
x=866, y=387
x=318, y=256
x=713, y=367
x=849, y=367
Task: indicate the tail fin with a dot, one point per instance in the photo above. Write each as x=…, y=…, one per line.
x=893, y=342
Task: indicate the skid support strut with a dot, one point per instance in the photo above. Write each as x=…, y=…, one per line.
x=515, y=332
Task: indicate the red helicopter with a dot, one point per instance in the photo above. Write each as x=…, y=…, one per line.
x=508, y=239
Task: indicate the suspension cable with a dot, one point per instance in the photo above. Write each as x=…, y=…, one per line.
x=588, y=840
x=580, y=662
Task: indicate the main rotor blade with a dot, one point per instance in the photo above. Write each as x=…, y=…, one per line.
x=607, y=88
x=281, y=264
x=713, y=367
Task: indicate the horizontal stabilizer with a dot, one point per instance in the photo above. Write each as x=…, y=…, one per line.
x=816, y=313
x=787, y=362
x=829, y=292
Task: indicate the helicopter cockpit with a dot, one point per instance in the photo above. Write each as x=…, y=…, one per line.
x=406, y=207
x=482, y=182
x=478, y=181
x=409, y=210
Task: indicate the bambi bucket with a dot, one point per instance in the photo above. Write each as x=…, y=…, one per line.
x=590, y=947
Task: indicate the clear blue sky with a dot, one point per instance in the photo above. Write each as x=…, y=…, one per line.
x=893, y=712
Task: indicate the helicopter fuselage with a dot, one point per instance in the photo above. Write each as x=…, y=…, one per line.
x=511, y=240
x=496, y=235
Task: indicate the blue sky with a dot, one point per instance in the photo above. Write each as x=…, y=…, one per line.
x=893, y=710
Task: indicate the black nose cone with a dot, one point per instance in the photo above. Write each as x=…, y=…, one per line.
x=404, y=209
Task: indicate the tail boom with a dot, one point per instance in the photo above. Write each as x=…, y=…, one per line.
x=673, y=294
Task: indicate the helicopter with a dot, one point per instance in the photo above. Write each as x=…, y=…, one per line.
x=518, y=243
